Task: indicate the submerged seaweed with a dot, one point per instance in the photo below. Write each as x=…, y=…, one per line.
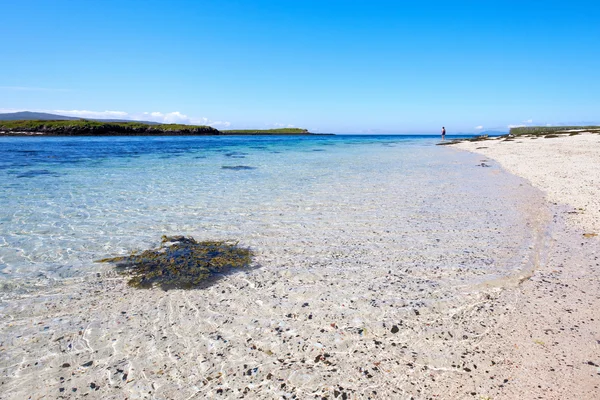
x=238, y=167
x=236, y=154
x=180, y=262
x=36, y=172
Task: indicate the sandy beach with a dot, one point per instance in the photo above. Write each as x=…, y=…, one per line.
x=548, y=345
x=338, y=314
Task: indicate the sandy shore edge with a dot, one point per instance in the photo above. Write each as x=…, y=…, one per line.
x=550, y=343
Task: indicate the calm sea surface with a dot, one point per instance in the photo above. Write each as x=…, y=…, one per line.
x=66, y=202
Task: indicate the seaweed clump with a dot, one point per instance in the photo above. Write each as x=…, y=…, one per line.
x=180, y=262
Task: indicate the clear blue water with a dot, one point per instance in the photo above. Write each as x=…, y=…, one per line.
x=353, y=236
x=66, y=202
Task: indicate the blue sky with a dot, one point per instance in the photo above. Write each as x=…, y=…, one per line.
x=330, y=66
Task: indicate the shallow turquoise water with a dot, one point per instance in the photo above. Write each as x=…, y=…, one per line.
x=68, y=201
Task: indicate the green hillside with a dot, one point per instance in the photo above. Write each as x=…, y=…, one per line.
x=280, y=131
x=29, y=115
x=83, y=127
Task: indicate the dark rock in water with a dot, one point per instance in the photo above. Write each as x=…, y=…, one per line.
x=168, y=156
x=447, y=143
x=237, y=167
x=180, y=262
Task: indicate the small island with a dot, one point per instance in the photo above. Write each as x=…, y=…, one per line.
x=84, y=127
x=278, y=131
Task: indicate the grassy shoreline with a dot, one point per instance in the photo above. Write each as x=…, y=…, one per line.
x=280, y=131
x=532, y=132
x=96, y=128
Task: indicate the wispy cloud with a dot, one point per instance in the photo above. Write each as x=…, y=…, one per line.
x=174, y=117
x=224, y=124
x=479, y=127
x=280, y=125
x=527, y=122
x=32, y=89
x=91, y=114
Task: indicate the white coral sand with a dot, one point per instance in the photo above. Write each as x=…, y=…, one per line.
x=548, y=345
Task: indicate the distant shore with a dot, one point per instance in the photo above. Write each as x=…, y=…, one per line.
x=533, y=132
x=37, y=128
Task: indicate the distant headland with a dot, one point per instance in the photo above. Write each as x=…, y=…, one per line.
x=41, y=124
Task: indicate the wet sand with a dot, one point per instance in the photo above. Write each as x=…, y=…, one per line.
x=565, y=168
x=546, y=342
x=335, y=314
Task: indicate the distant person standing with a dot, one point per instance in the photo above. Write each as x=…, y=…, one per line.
x=443, y=133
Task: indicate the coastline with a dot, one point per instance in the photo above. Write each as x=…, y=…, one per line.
x=318, y=319
x=77, y=128
x=146, y=133
x=564, y=167
x=548, y=342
